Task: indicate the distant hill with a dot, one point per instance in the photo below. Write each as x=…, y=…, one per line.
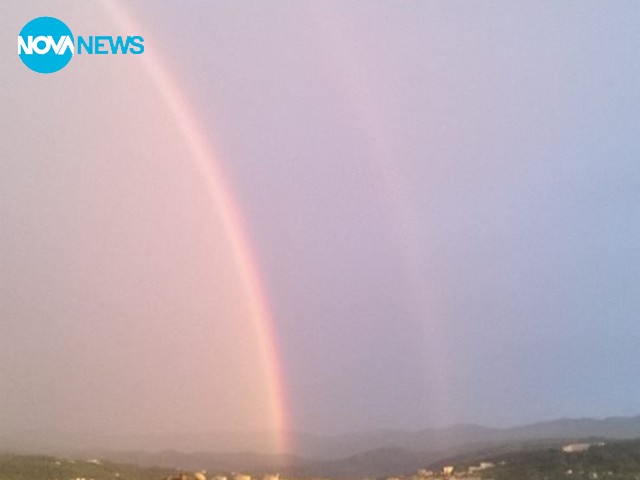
x=251, y=463
x=463, y=436
x=36, y=467
x=616, y=460
x=319, y=447
x=373, y=454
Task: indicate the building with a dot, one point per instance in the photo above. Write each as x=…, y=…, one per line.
x=580, y=447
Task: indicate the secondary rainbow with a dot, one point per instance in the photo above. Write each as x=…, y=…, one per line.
x=205, y=160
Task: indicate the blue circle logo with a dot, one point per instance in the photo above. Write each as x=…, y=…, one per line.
x=45, y=45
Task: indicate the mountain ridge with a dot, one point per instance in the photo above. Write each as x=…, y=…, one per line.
x=372, y=453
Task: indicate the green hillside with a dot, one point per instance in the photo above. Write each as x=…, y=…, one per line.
x=612, y=461
x=32, y=467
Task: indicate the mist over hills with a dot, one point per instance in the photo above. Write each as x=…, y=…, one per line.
x=375, y=453
x=615, y=460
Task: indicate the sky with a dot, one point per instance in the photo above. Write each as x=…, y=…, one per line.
x=441, y=200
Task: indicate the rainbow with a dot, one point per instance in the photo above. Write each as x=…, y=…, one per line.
x=206, y=162
x=353, y=73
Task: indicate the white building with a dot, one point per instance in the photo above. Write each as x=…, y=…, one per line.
x=576, y=447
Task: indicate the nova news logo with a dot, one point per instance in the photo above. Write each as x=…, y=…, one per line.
x=46, y=45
